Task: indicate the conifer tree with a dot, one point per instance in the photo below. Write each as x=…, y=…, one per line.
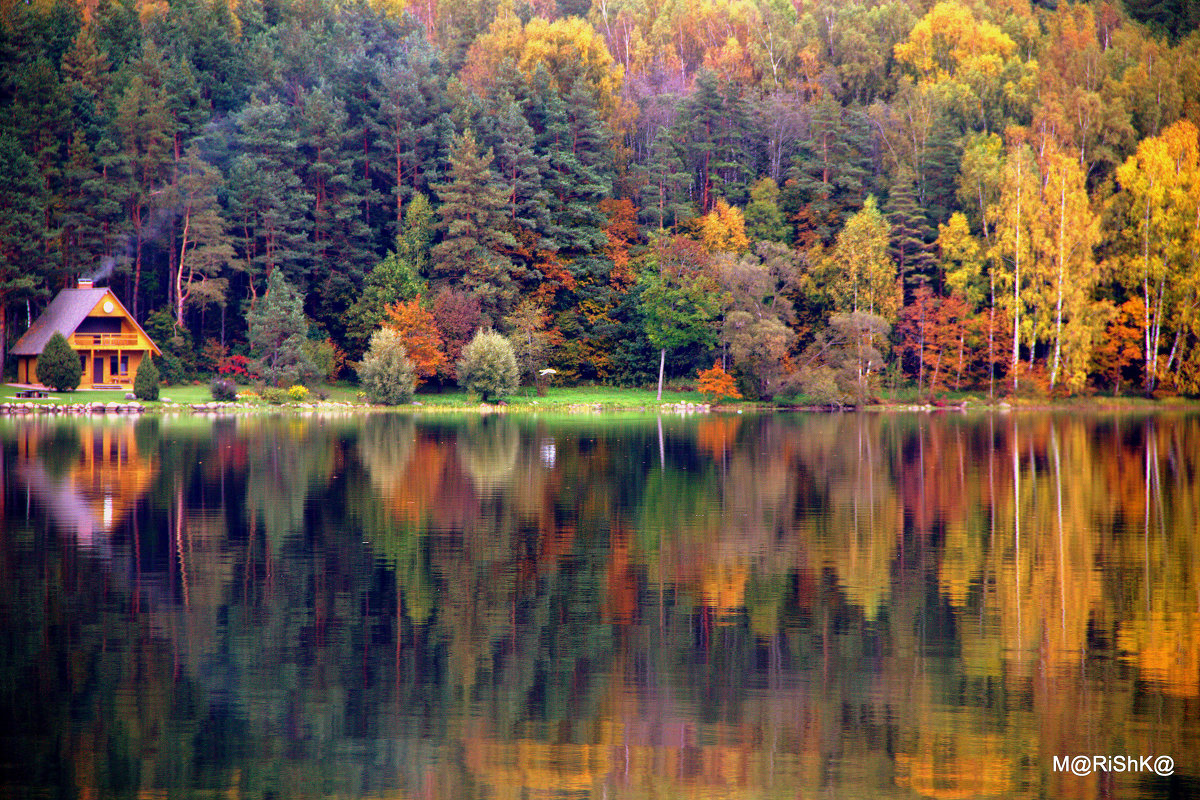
x=21, y=231
x=268, y=202
x=476, y=236
x=664, y=197
x=58, y=365
x=331, y=174
x=909, y=244
x=519, y=168
x=145, y=381
x=277, y=333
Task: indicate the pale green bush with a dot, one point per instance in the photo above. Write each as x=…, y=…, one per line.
x=488, y=367
x=386, y=373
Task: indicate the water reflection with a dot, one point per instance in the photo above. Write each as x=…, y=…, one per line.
x=433, y=607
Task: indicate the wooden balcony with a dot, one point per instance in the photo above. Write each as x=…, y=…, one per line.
x=92, y=341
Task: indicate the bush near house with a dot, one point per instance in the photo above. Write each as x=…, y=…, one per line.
x=58, y=366
x=145, y=382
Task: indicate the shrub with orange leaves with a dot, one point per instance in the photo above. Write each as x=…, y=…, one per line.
x=419, y=334
x=718, y=384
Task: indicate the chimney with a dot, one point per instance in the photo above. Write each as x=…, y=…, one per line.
x=85, y=283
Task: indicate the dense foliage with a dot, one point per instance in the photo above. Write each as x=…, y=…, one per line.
x=145, y=382
x=1012, y=188
x=387, y=374
x=58, y=366
x=488, y=367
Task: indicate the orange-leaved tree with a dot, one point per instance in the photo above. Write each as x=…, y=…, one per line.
x=420, y=335
x=718, y=384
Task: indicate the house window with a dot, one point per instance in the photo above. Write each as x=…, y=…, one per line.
x=83, y=363
x=124, y=365
x=112, y=365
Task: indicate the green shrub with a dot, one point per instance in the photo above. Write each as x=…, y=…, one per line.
x=274, y=395
x=488, y=367
x=223, y=389
x=145, y=382
x=58, y=366
x=387, y=374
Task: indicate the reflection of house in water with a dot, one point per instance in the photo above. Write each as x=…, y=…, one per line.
x=87, y=478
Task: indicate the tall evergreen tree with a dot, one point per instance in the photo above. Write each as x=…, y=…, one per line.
x=713, y=126
x=145, y=136
x=665, y=198
x=910, y=245
x=277, y=333
x=476, y=235
x=268, y=202
x=332, y=179
x=409, y=125
x=830, y=177
x=571, y=139
x=22, y=231
x=518, y=166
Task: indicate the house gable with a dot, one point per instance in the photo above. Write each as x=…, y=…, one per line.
x=97, y=311
x=108, y=321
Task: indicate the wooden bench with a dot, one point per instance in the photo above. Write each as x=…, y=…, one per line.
x=24, y=394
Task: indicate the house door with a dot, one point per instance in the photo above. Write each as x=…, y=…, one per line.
x=97, y=370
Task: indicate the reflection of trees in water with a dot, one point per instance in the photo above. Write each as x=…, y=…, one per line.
x=385, y=445
x=289, y=458
x=714, y=621
x=487, y=448
x=60, y=448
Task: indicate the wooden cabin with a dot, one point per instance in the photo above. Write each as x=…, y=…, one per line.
x=109, y=341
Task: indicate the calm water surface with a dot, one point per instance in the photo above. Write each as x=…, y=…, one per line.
x=599, y=607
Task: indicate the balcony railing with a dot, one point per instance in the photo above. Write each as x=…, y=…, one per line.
x=84, y=341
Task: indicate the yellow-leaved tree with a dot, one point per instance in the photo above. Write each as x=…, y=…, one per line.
x=723, y=230
x=1160, y=188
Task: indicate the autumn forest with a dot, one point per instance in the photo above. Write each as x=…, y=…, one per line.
x=825, y=198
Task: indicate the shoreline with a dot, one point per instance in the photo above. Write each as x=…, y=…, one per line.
x=576, y=400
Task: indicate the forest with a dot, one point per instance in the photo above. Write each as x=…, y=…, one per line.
x=826, y=198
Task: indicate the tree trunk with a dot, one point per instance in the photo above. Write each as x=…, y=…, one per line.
x=662, y=362
x=1016, y=345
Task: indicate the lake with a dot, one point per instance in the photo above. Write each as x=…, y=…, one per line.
x=601, y=606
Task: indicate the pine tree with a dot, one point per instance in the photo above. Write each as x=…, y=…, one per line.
x=665, y=200
x=145, y=136
x=204, y=248
x=267, y=199
x=830, y=175
x=58, y=365
x=277, y=334
x=22, y=230
x=476, y=235
x=571, y=140
x=713, y=126
x=519, y=168
x=340, y=237
x=146, y=380
x=410, y=103
x=910, y=242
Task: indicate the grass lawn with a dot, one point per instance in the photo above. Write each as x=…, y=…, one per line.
x=566, y=396
x=556, y=397
x=182, y=393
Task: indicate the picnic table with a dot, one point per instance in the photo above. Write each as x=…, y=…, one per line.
x=31, y=393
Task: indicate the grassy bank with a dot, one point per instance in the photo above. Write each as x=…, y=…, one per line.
x=610, y=398
x=601, y=397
